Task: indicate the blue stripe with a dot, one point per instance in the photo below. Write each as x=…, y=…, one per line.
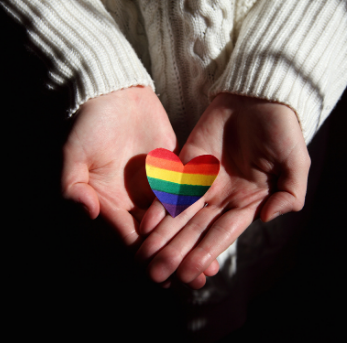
x=174, y=199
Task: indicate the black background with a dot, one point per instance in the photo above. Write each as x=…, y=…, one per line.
x=68, y=276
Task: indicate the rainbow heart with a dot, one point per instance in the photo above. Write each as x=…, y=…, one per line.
x=178, y=186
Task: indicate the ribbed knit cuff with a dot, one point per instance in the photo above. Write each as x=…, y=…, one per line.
x=85, y=47
x=293, y=52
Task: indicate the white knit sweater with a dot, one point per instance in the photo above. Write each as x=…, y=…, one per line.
x=289, y=51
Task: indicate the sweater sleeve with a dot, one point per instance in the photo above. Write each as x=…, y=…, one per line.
x=85, y=47
x=292, y=52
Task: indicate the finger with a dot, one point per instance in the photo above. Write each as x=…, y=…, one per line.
x=153, y=216
x=292, y=186
x=217, y=239
x=85, y=195
x=212, y=269
x=198, y=282
x=125, y=224
x=138, y=214
x=171, y=256
x=166, y=284
x=164, y=232
x=279, y=203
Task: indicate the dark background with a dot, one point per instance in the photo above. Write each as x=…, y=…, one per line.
x=68, y=276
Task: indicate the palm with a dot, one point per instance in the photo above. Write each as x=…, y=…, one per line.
x=264, y=168
x=253, y=155
x=104, y=156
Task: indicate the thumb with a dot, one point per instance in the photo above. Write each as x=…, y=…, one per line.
x=85, y=195
x=291, y=186
x=75, y=187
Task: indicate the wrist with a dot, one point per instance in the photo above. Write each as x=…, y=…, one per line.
x=251, y=104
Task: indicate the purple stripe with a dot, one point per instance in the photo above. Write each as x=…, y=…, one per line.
x=175, y=210
x=174, y=199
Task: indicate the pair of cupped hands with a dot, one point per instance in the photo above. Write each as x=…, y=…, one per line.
x=263, y=173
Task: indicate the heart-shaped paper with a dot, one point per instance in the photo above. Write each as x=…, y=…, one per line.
x=178, y=186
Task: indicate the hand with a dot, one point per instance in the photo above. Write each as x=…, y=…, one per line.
x=104, y=156
x=264, y=170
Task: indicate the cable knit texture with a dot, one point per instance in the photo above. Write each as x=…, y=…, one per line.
x=292, y=51
x=296, y=56
x=84, y=44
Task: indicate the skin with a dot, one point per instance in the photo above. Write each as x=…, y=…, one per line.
x=104, y=168
x=104, y=158
x=264, y=171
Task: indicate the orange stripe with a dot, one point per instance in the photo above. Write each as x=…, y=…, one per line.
x=204, y=169
x=164, y=164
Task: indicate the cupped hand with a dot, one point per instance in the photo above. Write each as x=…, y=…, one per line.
x=264, y=171
x=104, y=156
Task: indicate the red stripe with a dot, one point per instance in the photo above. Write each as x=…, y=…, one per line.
x=204, y=159
x=165, y=159
x=164, y=154
x=204, y=169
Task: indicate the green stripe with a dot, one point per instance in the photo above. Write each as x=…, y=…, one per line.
x=175, y=188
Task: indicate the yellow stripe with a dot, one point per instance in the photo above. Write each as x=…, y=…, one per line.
x=180, y=178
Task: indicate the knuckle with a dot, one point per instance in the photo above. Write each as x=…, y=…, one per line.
x=196, y=228
x=190, y=271
x=170, y=258
x=206, y=254
x=222, y=231
x=195, y=265
x=184, y=216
